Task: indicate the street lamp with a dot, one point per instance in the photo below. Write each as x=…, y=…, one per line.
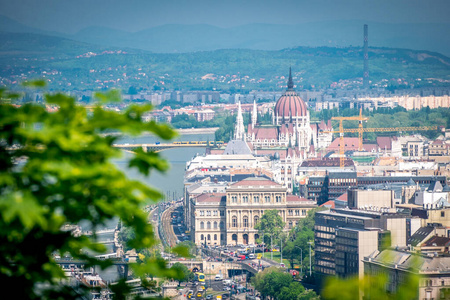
x=301, y=259
x=310, y=258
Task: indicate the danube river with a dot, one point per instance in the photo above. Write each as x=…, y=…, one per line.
x=170, y=183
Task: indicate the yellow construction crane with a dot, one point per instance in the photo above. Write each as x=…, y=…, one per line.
x=360, y=131
x=341, y=131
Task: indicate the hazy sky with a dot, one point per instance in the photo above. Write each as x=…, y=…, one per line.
x=134, y=15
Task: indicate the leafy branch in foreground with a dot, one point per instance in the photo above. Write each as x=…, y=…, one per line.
x=55, y=169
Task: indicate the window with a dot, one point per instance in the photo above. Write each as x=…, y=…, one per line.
x=208, y=213
x=215, y=213
x=221, y=225
x=209, y=237
x=256, y=220
x=245, y=221
x=208, y=225
x=234, y=222
x=297, y=212
x=256, y=199
x=442, y=214
x=202, y=213
x=267, y=199
x=215, y=237
x=278, y=199
x=215, y=225
x=234, y=199
x=290, y=224
x=222, y=213
x=245, y=199
x=202, y=225
x=290, y=212
x=201, y=237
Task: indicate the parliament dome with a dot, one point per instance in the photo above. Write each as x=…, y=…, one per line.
x=290, y=104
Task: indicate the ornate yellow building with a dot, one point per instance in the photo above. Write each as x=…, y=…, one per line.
x=224, y=219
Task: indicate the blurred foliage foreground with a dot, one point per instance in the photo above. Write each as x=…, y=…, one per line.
x=55, y=169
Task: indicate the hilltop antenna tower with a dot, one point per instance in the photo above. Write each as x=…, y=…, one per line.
x=366, y=57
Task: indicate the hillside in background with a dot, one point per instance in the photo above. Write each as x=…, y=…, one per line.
x=175, y=38
x=72, y=64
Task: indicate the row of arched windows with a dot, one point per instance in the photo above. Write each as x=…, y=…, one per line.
x=208, y=237
x=234, y=221
x=208, y=225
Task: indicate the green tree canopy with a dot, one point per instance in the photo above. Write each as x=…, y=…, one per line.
x=273, y=282
x=187, y=274
x=55, y=169
x=271, y=224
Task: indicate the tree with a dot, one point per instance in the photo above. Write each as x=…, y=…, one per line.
x=270, y=225
x=190, y=246
x=55, y=169
x=299, y=237
x=187, y=274
x=273, y=282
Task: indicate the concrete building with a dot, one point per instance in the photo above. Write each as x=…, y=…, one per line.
x=334, y=184
x=361, y=198
x=400, y=266
x=230, y=217
x=343, y=237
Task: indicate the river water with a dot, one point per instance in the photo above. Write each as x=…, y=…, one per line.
x=170, y=183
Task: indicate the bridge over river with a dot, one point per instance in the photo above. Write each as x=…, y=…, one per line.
x=164, y=146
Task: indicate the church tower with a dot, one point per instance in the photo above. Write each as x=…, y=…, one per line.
x=254, y=114
x=239, y=130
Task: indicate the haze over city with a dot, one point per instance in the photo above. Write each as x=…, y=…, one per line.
x=71, y=16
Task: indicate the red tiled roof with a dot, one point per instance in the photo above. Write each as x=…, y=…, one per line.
x=343, y=197
x=294, y=198
x=329, y=204
x=370, y=147
x=438, y=241
x=323, y=126
x=266, y=133
x=384, y=142
x=216, y=197
x=350, y=143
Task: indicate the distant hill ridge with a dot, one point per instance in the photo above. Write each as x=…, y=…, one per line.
x=176, y=38
x=84, y=65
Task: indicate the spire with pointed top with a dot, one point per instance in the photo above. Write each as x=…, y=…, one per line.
x=290, y=81
x=239, y=129
x=254, y=114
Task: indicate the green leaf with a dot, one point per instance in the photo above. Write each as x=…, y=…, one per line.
x=107, y=97
x=22, y=205
x=35, y=83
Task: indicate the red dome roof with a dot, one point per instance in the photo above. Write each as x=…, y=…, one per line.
x=290, y=104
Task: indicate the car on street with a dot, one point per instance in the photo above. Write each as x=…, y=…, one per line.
x=226, y=288
x=199, y=295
